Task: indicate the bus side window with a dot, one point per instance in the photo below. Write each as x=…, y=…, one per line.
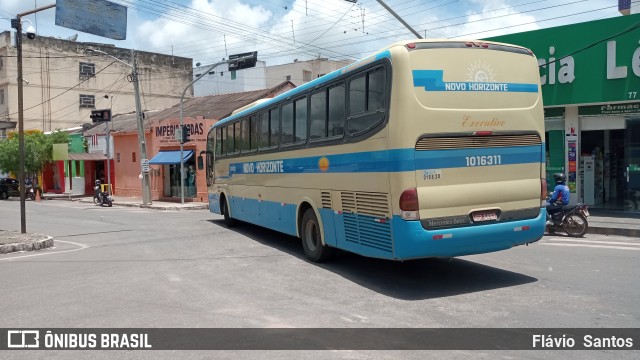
x=357, y=95
x=366, y=99
x=335, y=126
x=274, y=121
x=218, y=135
x=225, y=140
x=253, y=132
x=287, y=123
x=318, y=115
x=375, y=90
x=228, y=144
x=245, y=141
x=300, y=125
x=264, y=130
x=238, y=137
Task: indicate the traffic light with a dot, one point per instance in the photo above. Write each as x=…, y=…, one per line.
x=100, y=115
x=185, y=134
x=243, y=61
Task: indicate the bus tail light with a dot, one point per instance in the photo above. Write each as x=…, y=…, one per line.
x=409, y=205
x=543, y=192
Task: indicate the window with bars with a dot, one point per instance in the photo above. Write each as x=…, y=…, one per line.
x=87, y=101
x=87, y=70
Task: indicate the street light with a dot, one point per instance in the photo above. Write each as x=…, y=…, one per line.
x=146, y=186
x=31, y=34
x=237, y=62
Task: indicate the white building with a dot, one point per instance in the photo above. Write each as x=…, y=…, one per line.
x=300, y=72
x=221, y=81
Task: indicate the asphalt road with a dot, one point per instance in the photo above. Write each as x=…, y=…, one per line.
x=141, y=268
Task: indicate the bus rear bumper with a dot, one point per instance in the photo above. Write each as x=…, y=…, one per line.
x=412, y=241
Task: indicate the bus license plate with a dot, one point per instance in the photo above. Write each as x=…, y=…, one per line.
x=484, y=216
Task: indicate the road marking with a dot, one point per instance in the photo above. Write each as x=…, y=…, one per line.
x=614, y=243
x=81, y=247
x=593, y=246
x=595, y=241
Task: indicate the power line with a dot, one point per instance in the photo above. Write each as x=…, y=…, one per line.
x=64, y=92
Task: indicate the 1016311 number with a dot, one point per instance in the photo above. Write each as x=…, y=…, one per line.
x=484, y=160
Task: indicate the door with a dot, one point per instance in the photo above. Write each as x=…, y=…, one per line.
x=632, y=165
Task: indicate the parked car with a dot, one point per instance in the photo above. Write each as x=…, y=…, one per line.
x=9, y=187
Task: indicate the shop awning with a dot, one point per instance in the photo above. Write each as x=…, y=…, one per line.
x=87, y=156
x=170, y=157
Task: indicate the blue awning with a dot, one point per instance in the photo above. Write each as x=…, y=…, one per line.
x=170, y=157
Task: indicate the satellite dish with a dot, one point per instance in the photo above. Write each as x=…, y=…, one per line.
x=197, y=64
x=86, y=126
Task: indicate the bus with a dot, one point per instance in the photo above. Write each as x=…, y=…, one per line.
x=425, y=149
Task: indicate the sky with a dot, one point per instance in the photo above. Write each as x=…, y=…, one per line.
x=284, y=30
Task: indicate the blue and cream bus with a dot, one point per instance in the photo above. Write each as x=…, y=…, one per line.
x=425, y=149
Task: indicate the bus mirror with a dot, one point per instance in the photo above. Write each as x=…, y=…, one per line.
x=200, y=162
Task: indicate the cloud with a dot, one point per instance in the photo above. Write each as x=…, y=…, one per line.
x=199, y=31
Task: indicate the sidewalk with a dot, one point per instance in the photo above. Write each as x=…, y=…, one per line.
x=132, y=202
x=614, y=223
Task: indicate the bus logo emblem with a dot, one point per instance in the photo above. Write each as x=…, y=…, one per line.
x=323, y=164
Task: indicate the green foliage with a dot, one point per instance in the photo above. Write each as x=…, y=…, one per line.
x=38, y=149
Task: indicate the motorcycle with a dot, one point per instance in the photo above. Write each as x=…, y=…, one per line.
x=101, y=197
x=572, y=219
x=30, y=192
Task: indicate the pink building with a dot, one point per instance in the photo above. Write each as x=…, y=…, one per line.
x=163, y=150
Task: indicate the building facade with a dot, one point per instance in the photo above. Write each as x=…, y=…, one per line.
x=590, y=77
x=163, y=149
x=221, y=81
x=64, y=82
x=300, y=72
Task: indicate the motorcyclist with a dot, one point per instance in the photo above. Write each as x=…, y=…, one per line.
x=96, y=189
x=559, y=198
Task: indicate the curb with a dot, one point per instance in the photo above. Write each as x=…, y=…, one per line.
x=613, y=231
x=28, y=246
x=154, y=207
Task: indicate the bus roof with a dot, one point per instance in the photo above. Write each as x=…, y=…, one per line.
x=384, y=53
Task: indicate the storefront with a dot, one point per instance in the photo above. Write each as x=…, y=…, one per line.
x=590, y=76
x=163, y=149
x=166, y=157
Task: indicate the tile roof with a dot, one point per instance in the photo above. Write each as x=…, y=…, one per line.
x=209, y=107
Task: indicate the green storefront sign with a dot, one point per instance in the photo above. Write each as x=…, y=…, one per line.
x=593, y=62
x=610, y=109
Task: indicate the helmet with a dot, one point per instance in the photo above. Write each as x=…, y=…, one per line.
x=560, y=178
x=97, y=182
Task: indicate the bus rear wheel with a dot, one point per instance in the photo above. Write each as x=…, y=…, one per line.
x=228, y=220
x=312, y=244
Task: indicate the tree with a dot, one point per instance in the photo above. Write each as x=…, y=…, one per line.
x=38, y=148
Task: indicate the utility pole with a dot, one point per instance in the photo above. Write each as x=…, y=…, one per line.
x=31, y=33
x=144, y=161
x=236, y=62
x=182, y=125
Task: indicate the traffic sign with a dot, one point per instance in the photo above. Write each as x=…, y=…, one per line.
x=145, y=165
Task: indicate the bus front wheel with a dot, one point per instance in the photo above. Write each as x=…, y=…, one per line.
x=312, y=244
x=228, y=220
